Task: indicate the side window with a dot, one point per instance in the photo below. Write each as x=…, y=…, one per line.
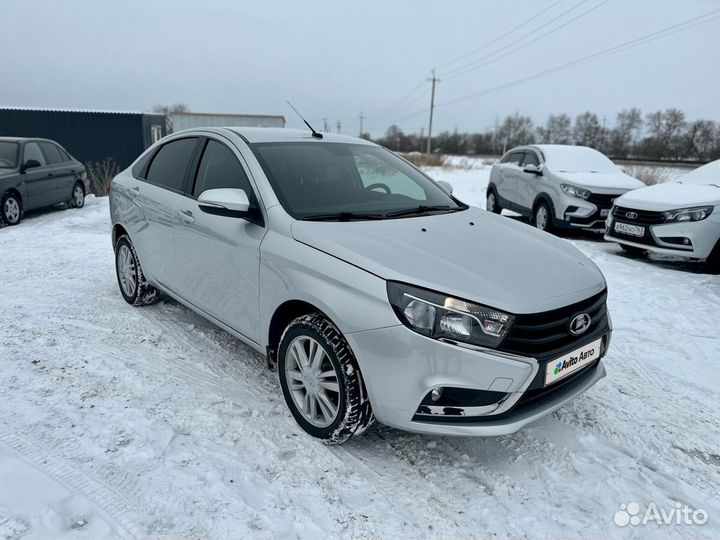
x=219, y=168
x=170, y=164
x=51, y=153
x=531, y=159
x=32, y=151
x=373, y=171
x=516, y=158
x=505, y=158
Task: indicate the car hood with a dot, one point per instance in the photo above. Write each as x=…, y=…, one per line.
x=473, y=254
x=670, y=196
x=611, y=181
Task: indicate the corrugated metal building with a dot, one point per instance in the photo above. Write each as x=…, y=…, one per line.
x=180, y=121
x=90, y=136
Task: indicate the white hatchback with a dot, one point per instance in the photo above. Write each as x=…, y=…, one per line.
x=675, y=218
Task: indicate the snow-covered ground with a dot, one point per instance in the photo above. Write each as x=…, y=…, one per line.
x=132, y=422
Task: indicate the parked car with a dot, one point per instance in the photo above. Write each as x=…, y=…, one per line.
x=676, y=218
x=373, y=291
x=35, y=173
x=557, y=186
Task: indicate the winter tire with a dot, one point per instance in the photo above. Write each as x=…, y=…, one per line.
x=131, y=280
x=713, y=260
x=321, y=381
x=491, y=203
x=11, y=209
x=632, y=250
x=77, y=200
x=542, y=217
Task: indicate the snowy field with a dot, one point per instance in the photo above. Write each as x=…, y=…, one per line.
x=124, y=422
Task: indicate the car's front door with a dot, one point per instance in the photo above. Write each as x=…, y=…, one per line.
x=507, y=189
x=527, y=182
x=39, y=184
x=218, y=257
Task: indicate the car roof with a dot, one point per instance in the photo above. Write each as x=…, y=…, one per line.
x=23, y=139
x=271, y=135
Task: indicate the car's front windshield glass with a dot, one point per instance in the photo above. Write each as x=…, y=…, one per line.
x=577, y=159
x=340, y=181
x=8, y=154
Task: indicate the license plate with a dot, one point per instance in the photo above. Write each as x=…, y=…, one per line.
x=604, y=212
x=565, y=365
x=626, y=228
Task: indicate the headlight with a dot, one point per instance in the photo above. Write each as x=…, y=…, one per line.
x=574, y=191
x=688, y=214
x=439, y=316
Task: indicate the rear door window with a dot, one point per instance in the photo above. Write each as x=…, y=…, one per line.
x=32, y=152
x=170, y=164
x=51, y=152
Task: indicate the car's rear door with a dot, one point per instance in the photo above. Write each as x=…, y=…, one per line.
x=218, y=257
x=60, y=170
x=40, y=185
x=157, y=195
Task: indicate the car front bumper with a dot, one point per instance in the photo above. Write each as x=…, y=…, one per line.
x=693, y=239
x=400, y=368
x=588, y=214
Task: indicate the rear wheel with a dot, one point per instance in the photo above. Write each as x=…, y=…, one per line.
x=492, y=204
x=713, y=261
x=133, y=285
x=78, y=196
x=633, y=250
x=11, y=209
x=542, y=217
x=321, y=381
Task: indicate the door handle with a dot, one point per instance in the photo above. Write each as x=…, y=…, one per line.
x=51, y=174
x=134, y=191
x=187, y=216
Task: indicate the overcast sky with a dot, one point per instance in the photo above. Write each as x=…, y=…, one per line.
x=336, y=59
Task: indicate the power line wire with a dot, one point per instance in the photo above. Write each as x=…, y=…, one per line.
x=480, y=63
x=503, y=36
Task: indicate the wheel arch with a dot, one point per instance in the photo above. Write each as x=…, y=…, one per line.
x=281, y=317
x=544, y=197
x=118, y=231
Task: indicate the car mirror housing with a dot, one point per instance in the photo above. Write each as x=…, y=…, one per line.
x=30, y=164
x=533, y=169
x=447, y=186
x=225, y=202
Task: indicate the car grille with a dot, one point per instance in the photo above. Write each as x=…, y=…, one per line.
x=641, y=217
x=602, y=201
x=546, y=335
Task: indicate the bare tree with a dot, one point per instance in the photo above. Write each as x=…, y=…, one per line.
x=665, y=129
x=627, y=130
x=588, y=131
x=516, y=130
x=168, y=111
x=557, y=130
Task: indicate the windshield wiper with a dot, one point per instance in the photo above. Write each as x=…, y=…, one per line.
x=342, y=216
x=418, y=210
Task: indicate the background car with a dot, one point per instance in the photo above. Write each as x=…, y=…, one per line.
x=35, y=173
x=557, y=185
x=676, y=218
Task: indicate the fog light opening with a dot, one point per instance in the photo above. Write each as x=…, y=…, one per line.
x=436, y=394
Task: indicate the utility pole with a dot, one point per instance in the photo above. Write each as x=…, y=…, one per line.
x=361, y=124
x=432, y=106
x=325, y=125
x=338, y=124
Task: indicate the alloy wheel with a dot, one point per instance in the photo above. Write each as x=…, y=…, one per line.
x=12, y=210
x=127, y=271
x=312, y=381
x=490, y=205
x=541, y=217
x=78, y=196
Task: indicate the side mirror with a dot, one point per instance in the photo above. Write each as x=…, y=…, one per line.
x=533, y=169
x=224, y=202
x=447, y=186
x=30, y=164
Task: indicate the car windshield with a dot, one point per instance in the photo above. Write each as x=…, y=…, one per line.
x=8, y=154
x=339, y=182
x=707, y=174
x=577, y=159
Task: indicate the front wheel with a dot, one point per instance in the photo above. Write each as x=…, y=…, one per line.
x=713, y=261
x=321, y=381
x=11, y=209
x=543, y=217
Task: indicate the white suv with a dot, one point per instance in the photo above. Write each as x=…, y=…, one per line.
x=558, y=186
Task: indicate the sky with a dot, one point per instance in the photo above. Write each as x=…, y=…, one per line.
x=336, y=60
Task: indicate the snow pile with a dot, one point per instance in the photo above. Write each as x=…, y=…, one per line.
x=135, y=422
